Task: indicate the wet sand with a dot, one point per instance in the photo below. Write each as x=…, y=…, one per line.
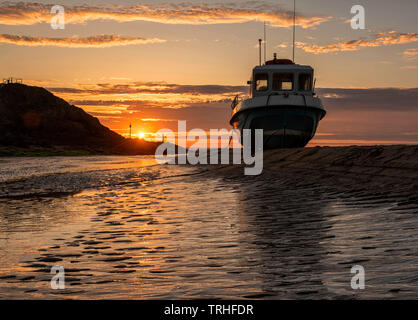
x=177, y=232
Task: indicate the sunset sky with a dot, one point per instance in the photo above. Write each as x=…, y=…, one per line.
x=155, y=62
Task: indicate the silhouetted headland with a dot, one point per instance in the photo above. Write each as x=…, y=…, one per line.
x=35, y=122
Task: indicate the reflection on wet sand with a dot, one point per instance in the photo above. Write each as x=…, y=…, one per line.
x=308, y=239
x=182, y=232
x=286, y=237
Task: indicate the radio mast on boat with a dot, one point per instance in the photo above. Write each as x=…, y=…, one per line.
x=259, y=48
x=265, y=44
x=294, y=28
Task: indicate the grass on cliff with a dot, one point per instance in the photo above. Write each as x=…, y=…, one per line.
x=43, y=152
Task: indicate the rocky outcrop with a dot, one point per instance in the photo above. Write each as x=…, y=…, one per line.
x=32, y=116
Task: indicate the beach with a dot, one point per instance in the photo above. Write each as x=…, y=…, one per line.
x=126, y=228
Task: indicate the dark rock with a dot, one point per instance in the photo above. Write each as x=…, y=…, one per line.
x=32, y=117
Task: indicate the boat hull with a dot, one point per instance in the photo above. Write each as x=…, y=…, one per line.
x=283, y=126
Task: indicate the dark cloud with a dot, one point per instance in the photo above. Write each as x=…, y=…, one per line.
x=386, y=99
x=140, y=104
x=153, y=88
x=354, y=99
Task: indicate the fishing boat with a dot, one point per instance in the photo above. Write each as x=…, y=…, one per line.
x=282, y=102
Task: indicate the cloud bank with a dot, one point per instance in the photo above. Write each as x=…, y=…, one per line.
x=161, y=94
x=153, y=88
x=380, y=39
x=24, y=13
x=100, y=41
x=372, y=99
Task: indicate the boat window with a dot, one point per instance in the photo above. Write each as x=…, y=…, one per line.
x=261, y=82
x=305, y=81
x=283, y=81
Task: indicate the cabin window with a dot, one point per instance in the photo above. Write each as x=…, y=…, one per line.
x=283, y=81
x=261, y=82
x=305, y=82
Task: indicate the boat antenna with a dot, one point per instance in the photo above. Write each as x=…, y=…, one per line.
x=259, y=47
x=294, y=28
x=265, y=44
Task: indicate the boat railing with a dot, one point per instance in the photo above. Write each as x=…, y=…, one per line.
x=235, y=101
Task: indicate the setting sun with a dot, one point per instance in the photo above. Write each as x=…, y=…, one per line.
x=141, y=135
